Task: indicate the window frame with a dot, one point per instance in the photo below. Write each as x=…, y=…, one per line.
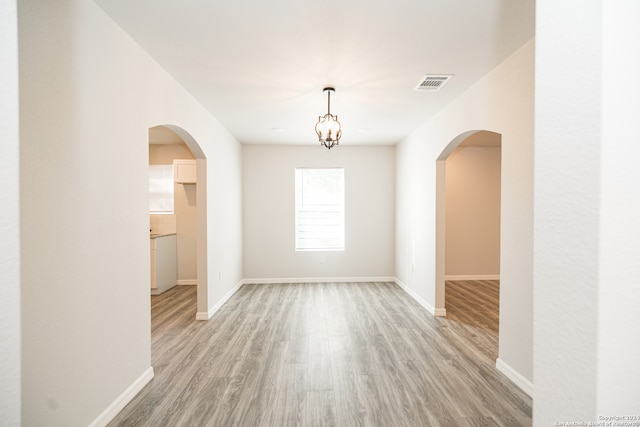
x=325, y=214
x=167, y=172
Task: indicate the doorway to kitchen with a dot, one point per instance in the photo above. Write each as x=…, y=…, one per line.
x=178, y=235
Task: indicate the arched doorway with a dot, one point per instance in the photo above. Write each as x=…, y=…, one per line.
x=171, y=134
x=475, y=139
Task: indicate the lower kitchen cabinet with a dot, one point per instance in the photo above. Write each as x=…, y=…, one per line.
x=164, y=272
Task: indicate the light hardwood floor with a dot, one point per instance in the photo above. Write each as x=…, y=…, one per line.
x=343, y=354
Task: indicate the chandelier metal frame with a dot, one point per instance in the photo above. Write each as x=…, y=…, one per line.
x=328, y=128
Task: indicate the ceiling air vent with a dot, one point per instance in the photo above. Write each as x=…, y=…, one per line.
x=432, y=82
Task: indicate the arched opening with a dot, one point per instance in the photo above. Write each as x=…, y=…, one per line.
x=166, y=144
x=475, y=240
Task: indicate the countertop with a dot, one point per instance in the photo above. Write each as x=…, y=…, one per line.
x=156, y=235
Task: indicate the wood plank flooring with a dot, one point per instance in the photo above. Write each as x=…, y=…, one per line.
x=328, y=354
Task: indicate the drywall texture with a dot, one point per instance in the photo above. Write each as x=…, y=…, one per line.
x=501, y=102
x=269, y=203
x=619, y=264
x=88, y=96
x=473, y=212
x=587, y=207
x=184, y=202
x=9, y=219
x=566, y=212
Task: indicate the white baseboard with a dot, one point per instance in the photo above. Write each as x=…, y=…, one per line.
x=440, y=312
x=316, y=280
x=473, y=277
x=515, y=377
x=121, y=401
x=184, y=282
x=206, y=315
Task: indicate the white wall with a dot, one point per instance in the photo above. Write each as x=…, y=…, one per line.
x=587, y=205
x=184, y=201
x=269, y=202
x=619, y=271
x=473, y=213
x=501, y=102
x=88, y=95
x=9, y=219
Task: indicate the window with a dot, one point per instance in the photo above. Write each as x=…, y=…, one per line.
x=319, y=209
x=161, y=189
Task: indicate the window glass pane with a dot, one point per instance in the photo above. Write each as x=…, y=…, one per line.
x=319, y=209
x=161, y=189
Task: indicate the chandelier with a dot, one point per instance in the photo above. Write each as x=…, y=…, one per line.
x=328, y=127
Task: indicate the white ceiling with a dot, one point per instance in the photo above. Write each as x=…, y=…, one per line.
x=259, y=66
